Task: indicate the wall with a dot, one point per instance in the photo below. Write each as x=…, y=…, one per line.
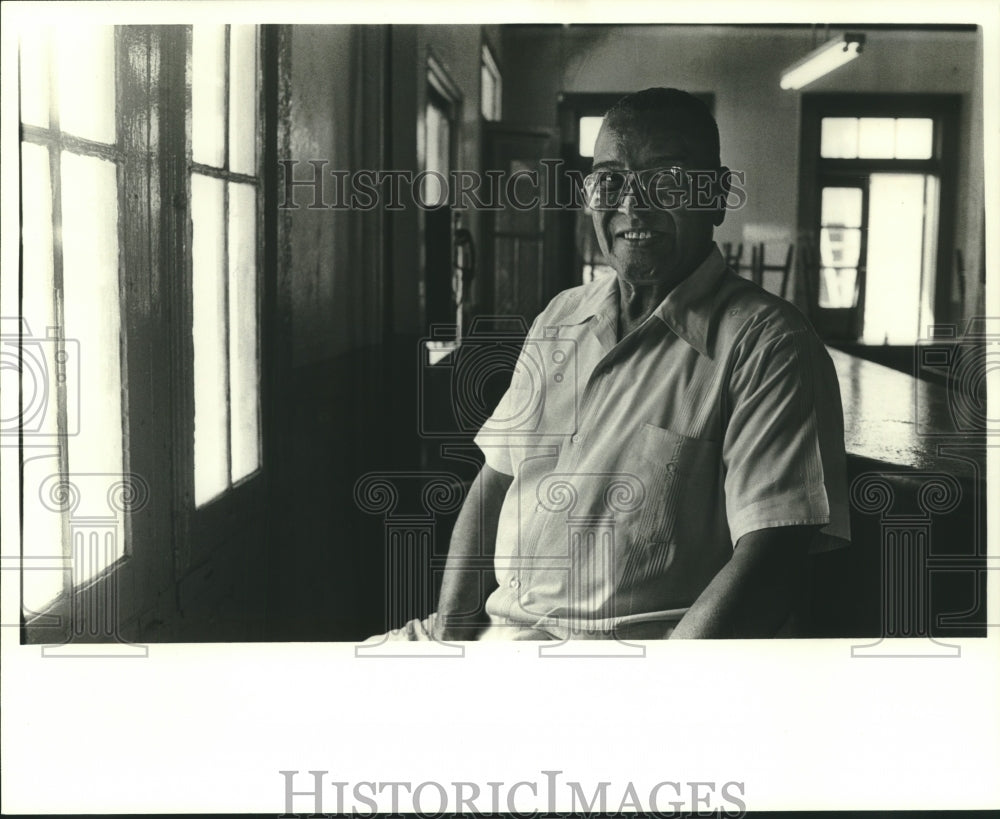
x=329, y=364
x=320, y=289
x=349, y=310
x=759, y=123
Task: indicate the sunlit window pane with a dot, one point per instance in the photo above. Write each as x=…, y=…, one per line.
x=914, y=138
x=41, y=527
x=928, y=279
x=243, y=99
x=34, y=72
x=488, y=92
x=208, y=94
x=85, y=70
x=42, y=532
x=895, y=253
x=839, y=247
x=243, y=344
x=37, y=300
x=876, y=138
x=841, y=207
x=92, y=324
x=589, y=127
x=432, y=188
x=211, y=460
x=837, y=287
x=839, y=138
x=490, y=83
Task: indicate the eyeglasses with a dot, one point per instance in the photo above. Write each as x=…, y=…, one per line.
x=662, y=188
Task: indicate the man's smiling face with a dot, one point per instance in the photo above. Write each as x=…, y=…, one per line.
x=649, y=245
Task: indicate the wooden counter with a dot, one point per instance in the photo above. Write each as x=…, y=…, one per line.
x=896, y=419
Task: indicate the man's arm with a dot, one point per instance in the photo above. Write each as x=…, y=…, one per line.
x=465, y=584
x=756, y=591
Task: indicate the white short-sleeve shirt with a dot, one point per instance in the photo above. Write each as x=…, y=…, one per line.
x=638, y=464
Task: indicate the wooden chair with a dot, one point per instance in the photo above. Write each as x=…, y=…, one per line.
x=758, y=267
x=733, y=260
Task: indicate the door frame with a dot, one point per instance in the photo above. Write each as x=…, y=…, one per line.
x=440, y=87
x=814, y=172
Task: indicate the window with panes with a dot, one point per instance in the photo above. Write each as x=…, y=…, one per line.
x=138, y=329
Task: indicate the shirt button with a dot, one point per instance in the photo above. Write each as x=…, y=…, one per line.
x=539, y=508
x=515, y=583
x=575, y=439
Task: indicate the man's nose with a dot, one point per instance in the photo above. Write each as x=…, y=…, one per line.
x=630, y=200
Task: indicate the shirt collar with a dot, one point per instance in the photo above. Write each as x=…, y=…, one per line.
x=687, y=310
x=595, y=301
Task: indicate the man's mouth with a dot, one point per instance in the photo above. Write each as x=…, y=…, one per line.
x=638, y=235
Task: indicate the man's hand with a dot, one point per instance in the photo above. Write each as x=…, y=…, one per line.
x=469, y=577
x=756, y=591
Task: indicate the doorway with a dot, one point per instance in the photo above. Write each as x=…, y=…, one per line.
x=441, y=118
x=876, y=200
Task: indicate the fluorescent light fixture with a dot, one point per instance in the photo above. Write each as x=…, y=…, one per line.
x=828, y=57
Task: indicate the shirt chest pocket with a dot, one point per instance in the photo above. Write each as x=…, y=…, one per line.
x=681, y=480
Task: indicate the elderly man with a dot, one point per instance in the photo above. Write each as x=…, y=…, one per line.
x=671, y=445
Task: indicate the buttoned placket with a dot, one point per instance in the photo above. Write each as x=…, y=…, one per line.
x=602, y=325
x=598, y=382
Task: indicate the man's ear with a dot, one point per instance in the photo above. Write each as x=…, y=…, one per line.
x=731, y=191
x=722, y=189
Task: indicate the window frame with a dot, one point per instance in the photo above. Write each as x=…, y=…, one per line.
x=859, y=183
x=168, y=537
x=201, y=528
x=443, y=93
x=136, y=49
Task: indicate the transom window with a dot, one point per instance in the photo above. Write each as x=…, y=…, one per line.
x=877, y=138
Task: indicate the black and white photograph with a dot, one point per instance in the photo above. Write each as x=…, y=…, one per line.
x=444, y=409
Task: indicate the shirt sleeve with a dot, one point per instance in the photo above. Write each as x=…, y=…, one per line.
x=494, y=444
x=513, y=416
x=783, y=448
